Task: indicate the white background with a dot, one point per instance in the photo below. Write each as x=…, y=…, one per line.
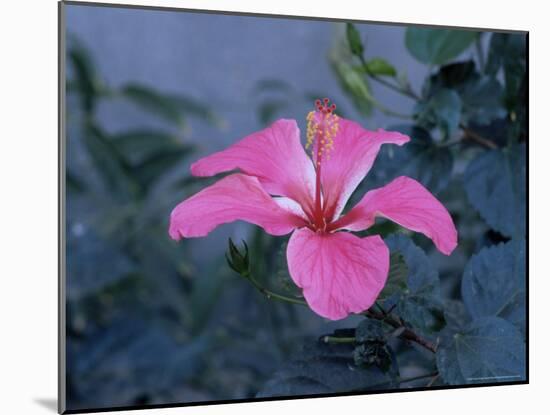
x=28, y=204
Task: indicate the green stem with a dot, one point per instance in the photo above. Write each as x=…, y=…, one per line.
x=272, y=295
x=380, y=308
x=407, y=334
x=336, y=340
x=478, y=138
x=408, y=92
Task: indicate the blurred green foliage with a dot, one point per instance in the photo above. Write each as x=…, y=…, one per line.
x=134, y=308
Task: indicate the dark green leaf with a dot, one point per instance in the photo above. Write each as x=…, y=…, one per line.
x=456, y=315
x=325, y=368
x=137, y=146
x=206, y=293
x=508, y=51
x=379, y=66
x=493, y=283
x=354, y=40
x=420, y=304
x=397, y=276
x=109, y=162
x=420, y=159
x=283, y=281
x=437, y=46
x=495, y=185
x=373, y=354
x=443, y=109
x=150, y=100
x=159, y=164
x=171, y=107
x=270, y=109
x=370, y=330
x=481, y=95
x=272, y=85
x=113, y=361
x=86, y=81
x=93, y=263
x=487, y=350
x=453, y=75
x=192, y=107
x=74, y=184
x=482, y=101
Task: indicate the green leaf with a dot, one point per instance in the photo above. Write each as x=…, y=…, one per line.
x=370, y=330
x=482, y=101
x=420, y=304
x=493, y=283
x=456, y=315
x=152, y=101
x=354, y=85
x=324, y=368
x=192, y=107
x=495, y=186
x=159, y=164
x=508, y=51
x=437, y=46
x=283, y=281
x=115, y=358
x=443, y=109
x=354, y=40
x=397, y=276
x=453, y=75
x=74, y=184
x=269, y=110
x=139, y=145
x=86, y=81
x=206, y=293
x=376, y=354
x=488, y=350
x=420, y=159
x=481, y=95
x=379, y=66
x=272, y=85
x=94, y=263
x=110, y=164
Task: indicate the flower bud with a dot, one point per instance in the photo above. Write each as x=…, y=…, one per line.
x=237, y=260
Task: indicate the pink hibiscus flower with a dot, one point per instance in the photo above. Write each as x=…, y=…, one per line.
x=283, y=190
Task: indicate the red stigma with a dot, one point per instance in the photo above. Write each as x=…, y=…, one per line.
x=324, y=106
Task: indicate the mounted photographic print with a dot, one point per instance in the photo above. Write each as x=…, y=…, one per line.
x=259, y=207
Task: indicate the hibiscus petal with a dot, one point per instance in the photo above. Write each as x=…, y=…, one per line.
x=351, y=158
x=235, y=197
x=339, y=273
x=408, y=203
x=274, y=155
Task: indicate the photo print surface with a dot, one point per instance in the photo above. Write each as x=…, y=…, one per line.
x=263, y=207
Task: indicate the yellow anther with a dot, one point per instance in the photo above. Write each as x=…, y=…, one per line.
x=322, y=125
